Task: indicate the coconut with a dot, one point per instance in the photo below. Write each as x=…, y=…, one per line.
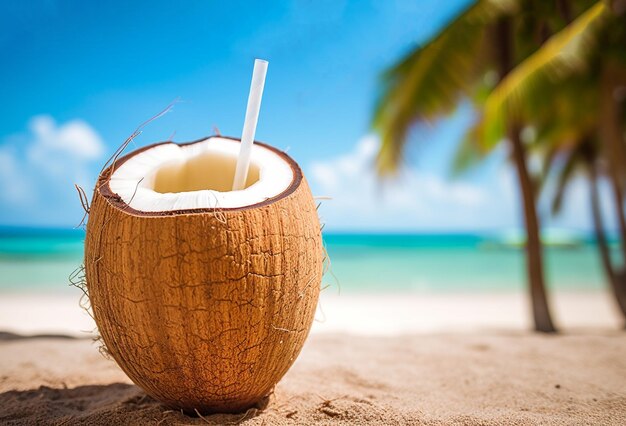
x=204, y=296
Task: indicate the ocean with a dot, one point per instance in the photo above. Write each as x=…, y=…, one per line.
x=34, y=260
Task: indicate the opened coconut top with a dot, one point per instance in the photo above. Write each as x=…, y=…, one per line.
x=174, y=178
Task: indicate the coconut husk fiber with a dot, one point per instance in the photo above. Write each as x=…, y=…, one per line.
x=204, y=309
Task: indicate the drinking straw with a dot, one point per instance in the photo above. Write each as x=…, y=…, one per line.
x=249, y=125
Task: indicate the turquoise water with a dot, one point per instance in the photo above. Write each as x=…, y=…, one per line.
x=32, y=260
x=451, y=263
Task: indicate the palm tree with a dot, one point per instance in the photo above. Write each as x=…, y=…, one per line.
x=472, y=56
x=569, y=89
x=583, y=157
x=566, y=138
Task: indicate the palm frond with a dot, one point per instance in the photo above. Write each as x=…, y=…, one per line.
x=564, y=111
x=563, y=180
x=429, y=81
x=468, y=153
x=564, y=54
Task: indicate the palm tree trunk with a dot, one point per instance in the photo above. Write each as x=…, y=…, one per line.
x=611, y=136
x=619, y=206
x=534, y=263
x=616, y=280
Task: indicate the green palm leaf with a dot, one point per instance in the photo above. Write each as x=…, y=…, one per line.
x=430, y=81
x=519, y=94
x=563, y=179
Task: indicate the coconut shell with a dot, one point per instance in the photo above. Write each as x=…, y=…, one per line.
x=205, y=310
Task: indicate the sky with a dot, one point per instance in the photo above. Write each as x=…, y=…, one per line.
x=78, y=77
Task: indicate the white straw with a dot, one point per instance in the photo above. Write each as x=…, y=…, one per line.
x=249, y=125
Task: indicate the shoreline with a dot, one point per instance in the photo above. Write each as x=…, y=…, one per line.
x=365, y=314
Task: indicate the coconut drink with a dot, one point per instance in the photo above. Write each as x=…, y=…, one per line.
x=204, y=295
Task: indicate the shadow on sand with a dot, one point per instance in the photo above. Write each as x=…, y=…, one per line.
x=114, y=404
x=7, y=336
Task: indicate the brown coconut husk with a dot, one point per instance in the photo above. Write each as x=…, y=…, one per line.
x=205, y=309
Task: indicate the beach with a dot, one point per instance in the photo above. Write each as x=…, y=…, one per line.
x=370, y=359
x=418, y=220
x=364, y=314
x=505, y=378
x=399, y=337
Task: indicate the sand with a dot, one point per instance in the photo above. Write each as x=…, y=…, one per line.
x=505, y=378
x=370, y=314
x=371, y=359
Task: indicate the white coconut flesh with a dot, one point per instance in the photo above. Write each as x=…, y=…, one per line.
x=171, y=177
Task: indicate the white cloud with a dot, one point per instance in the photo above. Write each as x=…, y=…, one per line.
x=53, y=147
x=75, y=138
x=414, y=200
x=14, y=186
x=421, y=199
x=38, y=168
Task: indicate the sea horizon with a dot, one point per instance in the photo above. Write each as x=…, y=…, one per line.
x=587, y=235
x=38, y=258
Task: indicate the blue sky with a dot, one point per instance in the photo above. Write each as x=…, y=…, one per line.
x=78, y=77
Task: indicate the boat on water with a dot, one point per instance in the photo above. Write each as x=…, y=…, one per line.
x=551, y=237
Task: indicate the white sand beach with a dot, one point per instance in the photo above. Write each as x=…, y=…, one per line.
x=371, y=359
x=370, y=314
x=491, y=378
